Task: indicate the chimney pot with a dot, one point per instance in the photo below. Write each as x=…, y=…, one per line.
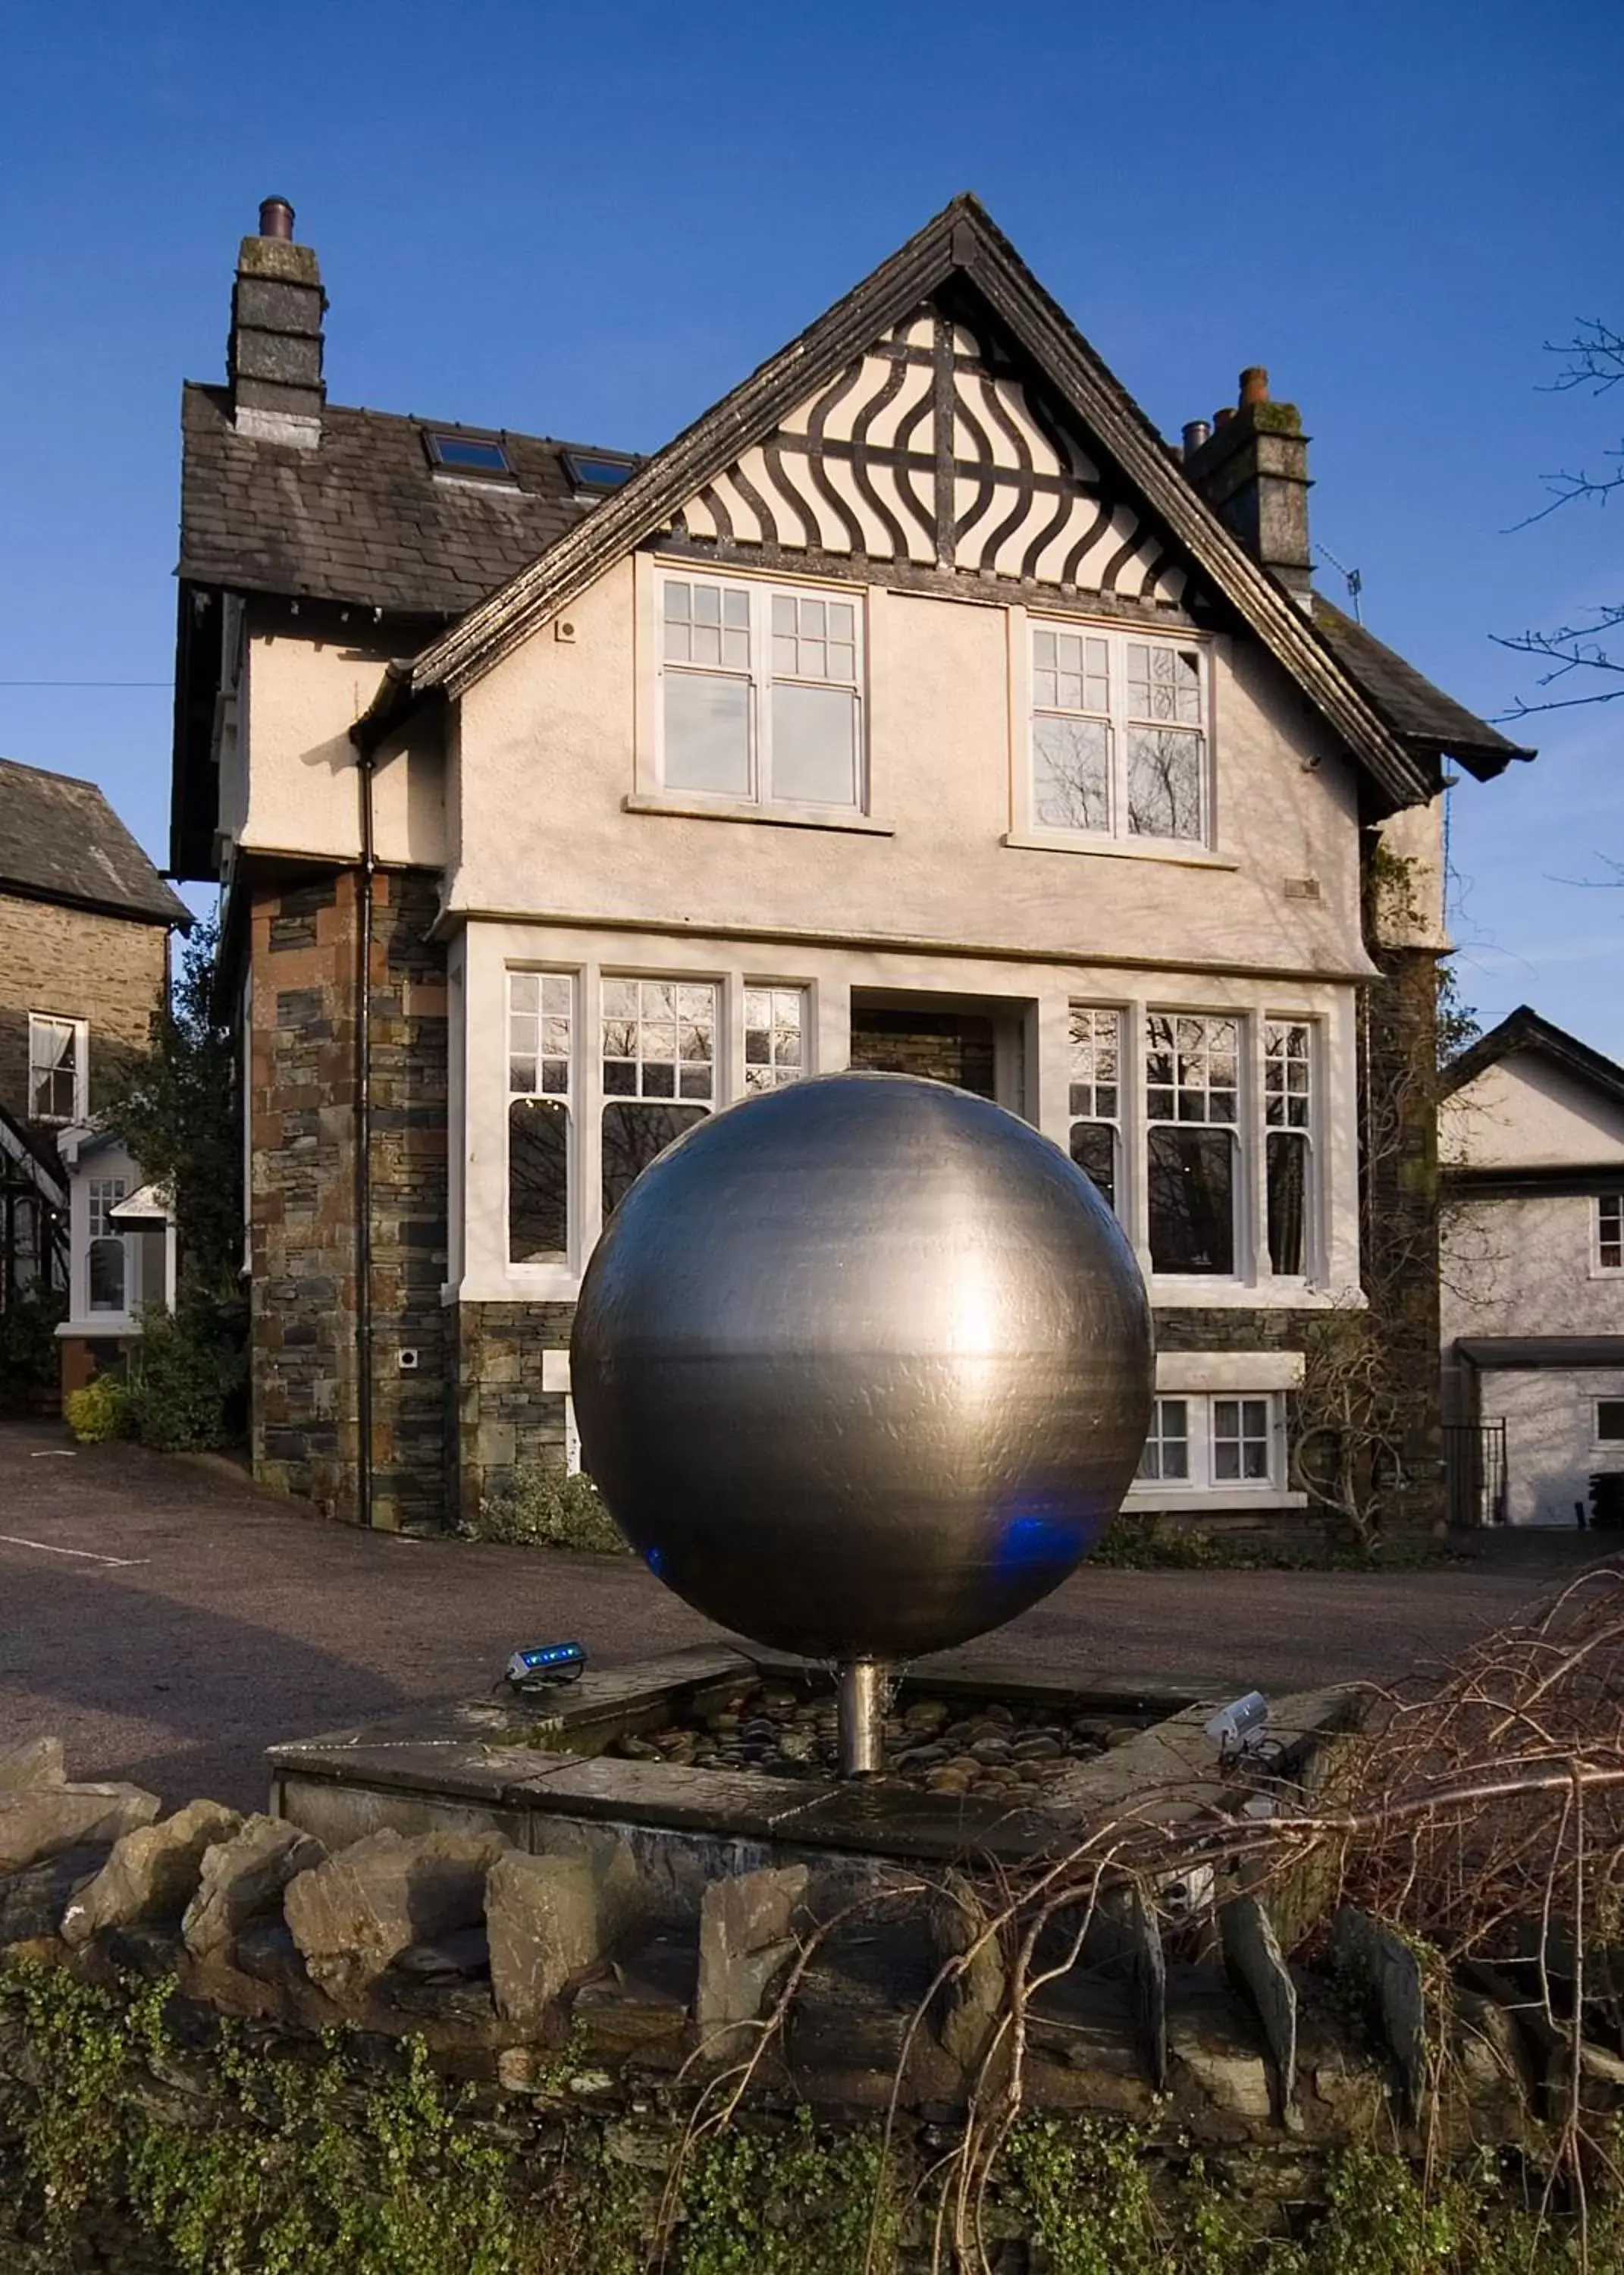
x=1254, y=385
x=1195, y=435
x=1223, y=414
x=277, y=219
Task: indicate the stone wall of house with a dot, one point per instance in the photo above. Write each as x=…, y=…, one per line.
x=302, y=1099
x=1399, y=1216
x=77, y=964
x=506, y=1421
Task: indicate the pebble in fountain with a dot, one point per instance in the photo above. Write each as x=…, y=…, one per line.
x=862, y=1368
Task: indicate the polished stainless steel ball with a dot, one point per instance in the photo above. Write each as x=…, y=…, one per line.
x=861, y=1367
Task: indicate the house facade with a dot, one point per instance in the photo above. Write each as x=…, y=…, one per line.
x=916, y=708
x=85, y=924
x=1531, y=1142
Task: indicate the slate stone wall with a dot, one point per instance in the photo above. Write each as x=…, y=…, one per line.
x=506, y=1422
x=302, y=1099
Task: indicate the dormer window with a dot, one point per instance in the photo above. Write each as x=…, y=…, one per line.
x=1119, y=743
x=467, y=454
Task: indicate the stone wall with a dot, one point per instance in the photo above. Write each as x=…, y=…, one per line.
x=302, y=1102
x=1399, y=1219
x=78, y=964
x=506, y=1422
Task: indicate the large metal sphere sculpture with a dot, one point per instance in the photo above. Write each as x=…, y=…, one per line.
x=861, y=1367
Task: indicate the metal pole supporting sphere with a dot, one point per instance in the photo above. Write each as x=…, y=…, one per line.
x=859, y=1695
x=862, y=1368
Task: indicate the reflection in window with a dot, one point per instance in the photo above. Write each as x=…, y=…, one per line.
x=1192, y=1089
x=659, y=1056
x=774, y=1037
x=540, y=1031
x=108, y=1256
x=1288, y=1063
x=1118, y=739
x=1095, y=1097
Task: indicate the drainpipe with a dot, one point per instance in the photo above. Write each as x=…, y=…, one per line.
x=363, y=1145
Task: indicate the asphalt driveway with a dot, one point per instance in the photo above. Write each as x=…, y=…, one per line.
x=170, y=1621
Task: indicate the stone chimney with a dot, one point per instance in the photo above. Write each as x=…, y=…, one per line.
x=1252, y=469
x=274, y=356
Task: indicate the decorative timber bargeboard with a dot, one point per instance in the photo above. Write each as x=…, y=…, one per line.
x=932, y=451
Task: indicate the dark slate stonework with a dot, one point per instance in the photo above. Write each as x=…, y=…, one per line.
x=302, y=1085
x=505, y=1421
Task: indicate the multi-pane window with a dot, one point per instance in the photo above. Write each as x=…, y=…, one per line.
x=774, y=1037
x=761, y=693
x=106, y=1256
x=541, y=1060
x=1242, y=1440
x=1192, y=1113
x=1096, y=1094
x=659, y=1056
x=1119, y=736
x=1610, y=1232
x=1287, y=1102
x=1212, y=1443
x=56, y=1068
x=1166, y=1458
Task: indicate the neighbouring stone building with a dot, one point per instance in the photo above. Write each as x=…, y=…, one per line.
x=1531, y=1146
x=84, y=923
x=918, y=707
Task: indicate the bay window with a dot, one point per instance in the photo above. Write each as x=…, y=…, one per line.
x=1287, y=1092
x=1192, y=1116
x=760, y=700
x=107, y=1259
x=659, y=1058
x=774, y=1037
x=541, y=1063
x=1119, y=742
x=1095, y=1095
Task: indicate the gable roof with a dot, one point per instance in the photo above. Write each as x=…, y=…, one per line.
x=1523, y=1029
x=961, y=241
x=1428, y=720
x=365, y=517
x=61, y=840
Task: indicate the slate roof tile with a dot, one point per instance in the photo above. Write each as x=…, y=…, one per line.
x=61, y=840
x=362, y=517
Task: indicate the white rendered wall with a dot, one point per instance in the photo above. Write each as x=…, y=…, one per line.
x=1525, y=1266
x=1550, y=1437
x=1525, y=1113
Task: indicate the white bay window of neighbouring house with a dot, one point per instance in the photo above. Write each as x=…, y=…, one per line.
x=760, y=700
x=1119, y=741
x=107, y=1257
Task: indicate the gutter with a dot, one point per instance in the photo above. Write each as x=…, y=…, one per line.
x=363, y=1142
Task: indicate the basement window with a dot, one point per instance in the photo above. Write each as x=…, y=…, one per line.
x=467, y=454
x=595, y=471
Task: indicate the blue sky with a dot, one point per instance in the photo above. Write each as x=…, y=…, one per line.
x=591, y=223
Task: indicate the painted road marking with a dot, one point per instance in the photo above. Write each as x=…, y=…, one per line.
x=48, y=1548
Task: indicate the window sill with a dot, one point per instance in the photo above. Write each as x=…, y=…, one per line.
x=1201, y=1293
x=1119, y=848
x=116, y=1325
x=1210, y=1501
x=781, y=817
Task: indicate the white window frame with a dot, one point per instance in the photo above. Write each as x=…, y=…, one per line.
x=102, y=1195
x=1083, y=1075
x=760, y=677
x=37, y=1021
x=1201, y=1409
x=1119, y=722
x=1599, y=1241
x=568, y=1098
x=775, y=1072
x=1242, y=1132
x=1306, y=1129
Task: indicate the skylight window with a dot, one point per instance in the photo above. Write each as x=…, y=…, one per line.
x=592, y=471
x=467, y=454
